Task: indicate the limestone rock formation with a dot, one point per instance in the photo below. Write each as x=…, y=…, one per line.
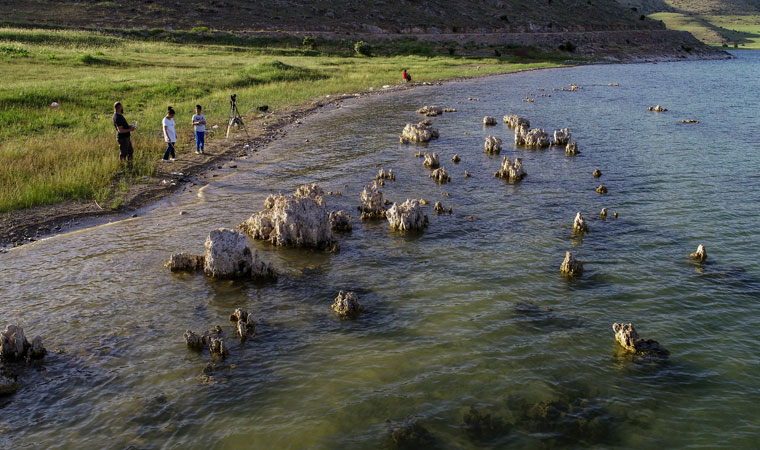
x=347, y=304
x=216, y=347
x=15, y=346
x=195, y=340
x=514, y=121
x=339, y=221
x=602, y=189
x=572, y=149
x=449, y=110
x=492, y=144
x=431, y=161
x=407, y=216
x=37, y=350
x=440, y=175
x=430, y=111
x=562, y=136
x=657, y=108
x=440, y=209
x=227, y=254
x=701, y=254
x=570, y=266
x=185, y=261
x=382, y=174
x=421, y=132
x=603, y=214
x=628, y=338
x=296, y=220
x=488, y=120
x=511, y=171
x=456, y=159
x=597, y=173
x=579, y=225
x=373, y=205
x=534, y=138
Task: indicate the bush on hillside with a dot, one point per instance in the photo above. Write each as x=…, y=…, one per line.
x=567, y=47
x=362, y=48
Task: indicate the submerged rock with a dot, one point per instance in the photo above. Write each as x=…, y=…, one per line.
x=440, y=209
x=411, y=435
x=562, y=136
x=579, y=225
x=421, y=132
x=373, y=205
x=597, y=173
x=492, y=144
x=195, y=340
x=514, y=121
x=628, y=338
x=7, y=385
x=296, y=220
x=37, y=350
x=572, y=149
x=431, y=161
x=440, y=175
x=185, y=262
x=407, y=216
x=430, y=111
x=216, y=347
x=382, y=174
x=339, y=221
x=603, y=214
x=534, y=138
x=347, y=304
x=700, y=255
x=456, y=159
x=511, y=171
x=484, y=425
x=602, y=189
x=657, y=108
x=570, y=266
x=488, y=120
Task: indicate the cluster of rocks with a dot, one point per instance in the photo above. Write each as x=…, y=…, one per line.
x=440, y=175
x=562, y=136
x=579, y=225
x=514, y=121
x=421, y=132
x=571, y=149
x=533, y=138
x=431, y=161
x=297, y=220
x=15, y=347
x=571, y=267
x=628, y=338
x=213, y=340
x=492, y=144
x=382, y=174
x=657, y=108
x=347, y=304
x=433, y=110
x=407, y=216
x=440, y=209
x=512, y=171
x=373, y=205
x=227, y=256
x=489, y=121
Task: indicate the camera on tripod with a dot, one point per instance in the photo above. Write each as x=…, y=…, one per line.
x=233, y=98
x=235, y=118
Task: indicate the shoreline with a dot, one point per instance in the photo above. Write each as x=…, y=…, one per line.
x=32, y=224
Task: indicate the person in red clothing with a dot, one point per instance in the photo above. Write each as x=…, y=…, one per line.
x=407, y=78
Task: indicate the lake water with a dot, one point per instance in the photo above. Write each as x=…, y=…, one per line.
x=473, y=313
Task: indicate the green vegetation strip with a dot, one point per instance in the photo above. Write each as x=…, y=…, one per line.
x=50, y=154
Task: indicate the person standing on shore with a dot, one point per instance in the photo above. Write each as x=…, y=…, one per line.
x=405, y=75
x=123, y=132
x=170, y=135
x=199, y=121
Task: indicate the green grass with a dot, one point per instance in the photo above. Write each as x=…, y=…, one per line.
x=742, y=31
x=52, y=154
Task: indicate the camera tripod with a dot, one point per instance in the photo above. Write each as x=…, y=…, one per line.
x=235, y=118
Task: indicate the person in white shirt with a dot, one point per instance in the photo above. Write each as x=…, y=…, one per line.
x=170, y=135
x=199, y=121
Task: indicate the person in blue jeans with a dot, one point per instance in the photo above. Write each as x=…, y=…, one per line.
x=199, y=122
x=170, y=135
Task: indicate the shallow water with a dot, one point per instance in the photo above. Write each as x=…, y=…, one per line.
x=471, y=313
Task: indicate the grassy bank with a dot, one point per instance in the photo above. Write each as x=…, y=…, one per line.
x=52, y=154
x=734, y=31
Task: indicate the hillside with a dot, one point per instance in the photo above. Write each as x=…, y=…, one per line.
x=696, y=7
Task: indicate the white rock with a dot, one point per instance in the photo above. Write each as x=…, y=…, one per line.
x=440, y=175
x=339, y=221
x=13, y=343
x=572, y=148
x=373, y=205
x=514, y=121
x=227, y=254
x=430, y=111
x=511, y=171
x=431, y=161
x=535, y=138
x=492, y=144
x=421, y=132
x=407, y=216
x=701, y=254
x=185, y=261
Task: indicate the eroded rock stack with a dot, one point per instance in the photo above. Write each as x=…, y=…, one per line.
x=657, y=108
x=534, y=138
x=382, y=174
x=602, y=189
x=570, y=266
x=701, y=254
x=492, y=144
x=628, y=338
x=440, y=175
x=562, y=136
x=339, y=221
x=579, y=225
x=14, y=345
x=571, y=148
x=514, y=121
x=512, y=171
x=373, y=205
x=431, y=161
x=347, y=304
x=421, y=132
x=244, y=321
x=407, y=216
x=296, y=220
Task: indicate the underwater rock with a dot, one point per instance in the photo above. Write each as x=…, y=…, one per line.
x=657, y=108
x=579, y=225
x=603, y=214
x=562, y=136
x=597, y=173
x=449, y=110
x=411, y=435
x=339, y=221
x=7, y=385
x=492, y=144
x=689, y=121
x=407, y=216
x=185, y=261
x=467, y=174
x=628, y=338
x=195, y=340
x=456, y=158
x=615, y=215
x=484, y=425
x=488, y=120
x=572, y=149
x=430, y=111
x=240, y=315
x=514, y=121
x=347, y=304
x=421, y=132
x=440, y=209
x=534, y=138
x=373, y=205
x=217, y=348
x=700, y=255
x=511, y=171
x=431, y=161
x=602, y=189
x=296, y=220
x=570, y=266
x=382, y=174
x=37, y=350
x=440, y=175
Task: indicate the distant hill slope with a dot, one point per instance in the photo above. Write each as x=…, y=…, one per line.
x=699, y=7
x=399, y=16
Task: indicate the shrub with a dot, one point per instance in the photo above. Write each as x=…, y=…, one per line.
x=13, y=52
x=309, y=42
x=567, y=47
x=199, y=29
x=642, y=17
x=362, y=48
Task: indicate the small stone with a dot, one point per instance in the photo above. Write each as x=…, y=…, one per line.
x=597, y=173
x=440, y=175
x=570, y=266
x=602, y=189
x=615, y=215
x=603, y=214
x=701, y=254
x=431, y=161
x=7, y=386
x=456, y=158
x=579, y=225
x=347, y=304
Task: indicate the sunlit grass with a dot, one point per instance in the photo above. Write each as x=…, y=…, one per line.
x=739, y=31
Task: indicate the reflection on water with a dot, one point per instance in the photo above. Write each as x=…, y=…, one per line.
x=469, y=332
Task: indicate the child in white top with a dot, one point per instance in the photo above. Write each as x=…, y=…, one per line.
x=199, y=121
x=170, y=135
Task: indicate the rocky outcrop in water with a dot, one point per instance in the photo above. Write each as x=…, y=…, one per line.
x=14, y=345
x=382, y=174
x=602, y=189
x=534, y=138
x=492, y=144
x=657, y=108
x=421, y=132
x=514, y=121
x=440, y=209
x=440, y=175
x=195, y=340
x=572, y=149
x=628, y=338
x=570, y=266
x=185, y=262
x=347, y=304
x=488, y=121
x=562, y=136
x=217, y=348
x=579, y=225
x=410, y=435
x=430, y=111
x=597, y=173
x=373, y=205
x=339, y=221
x=296, y=220
x=512, y=171
x=431, y=161
x=455, y=159
x=245, y=325
x=701, y=254
x=407, y=216
x=603, y=214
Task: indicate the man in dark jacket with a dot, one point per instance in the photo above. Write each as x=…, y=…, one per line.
x=123, y=130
